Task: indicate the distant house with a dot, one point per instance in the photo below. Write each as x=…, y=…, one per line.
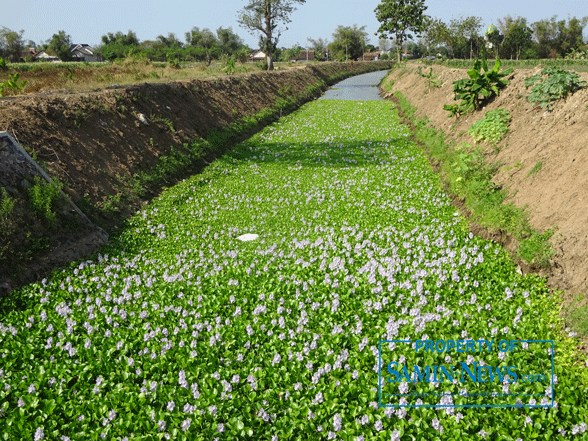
x=44, y=56
x=305, y=55
x=370, y=56
x=29, y=53
x=256, y=56
x=83, y=52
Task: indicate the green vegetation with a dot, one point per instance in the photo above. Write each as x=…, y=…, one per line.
x=43, y=198
x=431, y=79
x=552, y=84
x=60, y=44
x=181, y=328
x=513, y=38
x=265, y=17
x=480, y=87
x=166, y=121
x=536, y=248
x=6, y=207
x=348, y=43
x=13, y=84
x=492, y=128
x=535, y=168
x=400, y=19
x=577, y=316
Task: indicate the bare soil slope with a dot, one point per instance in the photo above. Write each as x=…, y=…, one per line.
x=557, y=195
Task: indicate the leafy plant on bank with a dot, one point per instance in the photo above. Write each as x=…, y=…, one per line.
x=536, y=249
x=13, y=83
x=43, y=197
x=230, y=68
x=431, y=79
x=477, y=90
x=6, y=206
x=552, y=84
x=492, y=128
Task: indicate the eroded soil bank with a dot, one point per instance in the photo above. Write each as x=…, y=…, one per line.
x=95, y=142
x=557, y=195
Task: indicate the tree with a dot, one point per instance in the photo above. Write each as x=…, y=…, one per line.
x=118, y=45
x=319, y=47
x=436, y=34
x=11, y=44
x=59, y=45
x=465, y=35
x=130, y=39
x=171, y=41
x=287, y=54
x=400, y=18
x=384, y=44
x=228, y=42
x=348, y=43
x=204, y=39
x=517, y=36
x=265, y=16
x=558, y=38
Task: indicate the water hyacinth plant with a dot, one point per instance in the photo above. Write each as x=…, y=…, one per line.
x=181, y=330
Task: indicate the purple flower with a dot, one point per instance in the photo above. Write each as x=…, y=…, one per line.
x=186, y=425
x=39, y=435
x=337, y=420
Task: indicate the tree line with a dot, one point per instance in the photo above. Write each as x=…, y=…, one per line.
x=466, y=37
x=400, y=22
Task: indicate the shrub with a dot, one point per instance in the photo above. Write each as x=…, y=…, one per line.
x=477, y=90
x=6, y=206
x=13, y=83
x=552, y=84
x=43, y=197
x=492, y=128
x=431, y=79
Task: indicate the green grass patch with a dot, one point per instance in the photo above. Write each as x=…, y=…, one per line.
x=535, y=168
x=492, y=128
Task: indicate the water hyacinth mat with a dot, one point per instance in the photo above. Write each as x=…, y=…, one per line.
x=249, y=302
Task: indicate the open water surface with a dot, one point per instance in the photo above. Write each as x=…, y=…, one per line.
x=358, y=88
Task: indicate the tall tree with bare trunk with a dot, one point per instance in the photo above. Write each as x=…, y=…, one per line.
x=265, y=16
x=401, y=18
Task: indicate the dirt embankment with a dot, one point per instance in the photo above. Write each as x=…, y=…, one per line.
x=94, y=142
x=556, y=195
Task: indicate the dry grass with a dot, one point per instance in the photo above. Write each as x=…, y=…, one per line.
x=45, y=77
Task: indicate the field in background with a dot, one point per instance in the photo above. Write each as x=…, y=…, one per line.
x=45, y=77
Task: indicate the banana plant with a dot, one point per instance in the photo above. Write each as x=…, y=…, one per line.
x=479, y=88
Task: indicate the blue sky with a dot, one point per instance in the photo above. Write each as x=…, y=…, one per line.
x=87, y=20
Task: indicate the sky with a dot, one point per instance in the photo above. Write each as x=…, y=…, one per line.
x=87, y=20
